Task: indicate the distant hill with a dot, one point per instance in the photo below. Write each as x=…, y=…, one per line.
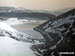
x=61, y=11
x=24, y=13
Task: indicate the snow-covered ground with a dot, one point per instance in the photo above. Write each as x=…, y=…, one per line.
x=13, y=42
x=11, y=47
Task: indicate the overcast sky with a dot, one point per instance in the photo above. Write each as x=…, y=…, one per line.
x=39, y=4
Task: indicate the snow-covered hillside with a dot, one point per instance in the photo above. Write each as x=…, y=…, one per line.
x=59, y=34
x=13, y=42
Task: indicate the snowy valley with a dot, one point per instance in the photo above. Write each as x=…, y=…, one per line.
x=25, y=37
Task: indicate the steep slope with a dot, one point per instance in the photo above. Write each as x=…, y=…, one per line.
x=58, y=34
